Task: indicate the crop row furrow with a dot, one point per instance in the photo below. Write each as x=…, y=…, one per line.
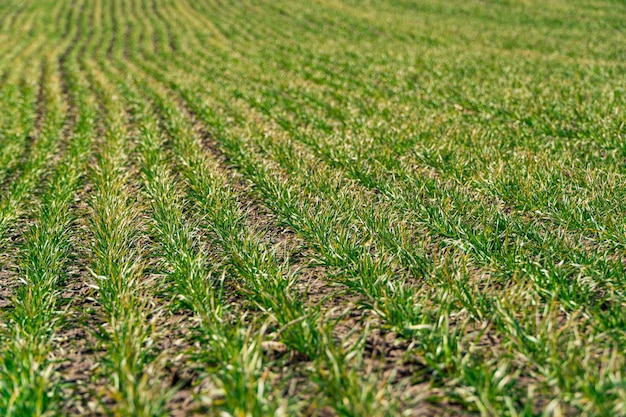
x=117, y=234
x=265, y=281
x=528, y=244
x=29, y=384
x=272, y=197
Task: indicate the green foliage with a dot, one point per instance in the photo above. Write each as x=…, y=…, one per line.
x=370, y=208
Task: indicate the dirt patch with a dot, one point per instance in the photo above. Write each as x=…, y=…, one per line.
x=76, y=346
x=176, y=344
x=7, y=287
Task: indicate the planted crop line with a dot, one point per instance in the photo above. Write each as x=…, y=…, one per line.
x=47, y=142
x=263, y=280
x=118, y=268
x=470, y=240
x=348, y=255
x=28, y=384
x=329, y=208
x=402, y=307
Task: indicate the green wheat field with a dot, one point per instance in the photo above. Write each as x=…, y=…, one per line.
x=312, y=208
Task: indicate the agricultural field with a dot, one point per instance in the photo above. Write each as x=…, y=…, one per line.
x=312, y=208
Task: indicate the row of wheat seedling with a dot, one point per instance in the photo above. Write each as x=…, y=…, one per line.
x=262, y=278
x=323, y=236
x=474, y=234
x=27, y=382
x=475, y=242
x=118, y=264
x=249, y=260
